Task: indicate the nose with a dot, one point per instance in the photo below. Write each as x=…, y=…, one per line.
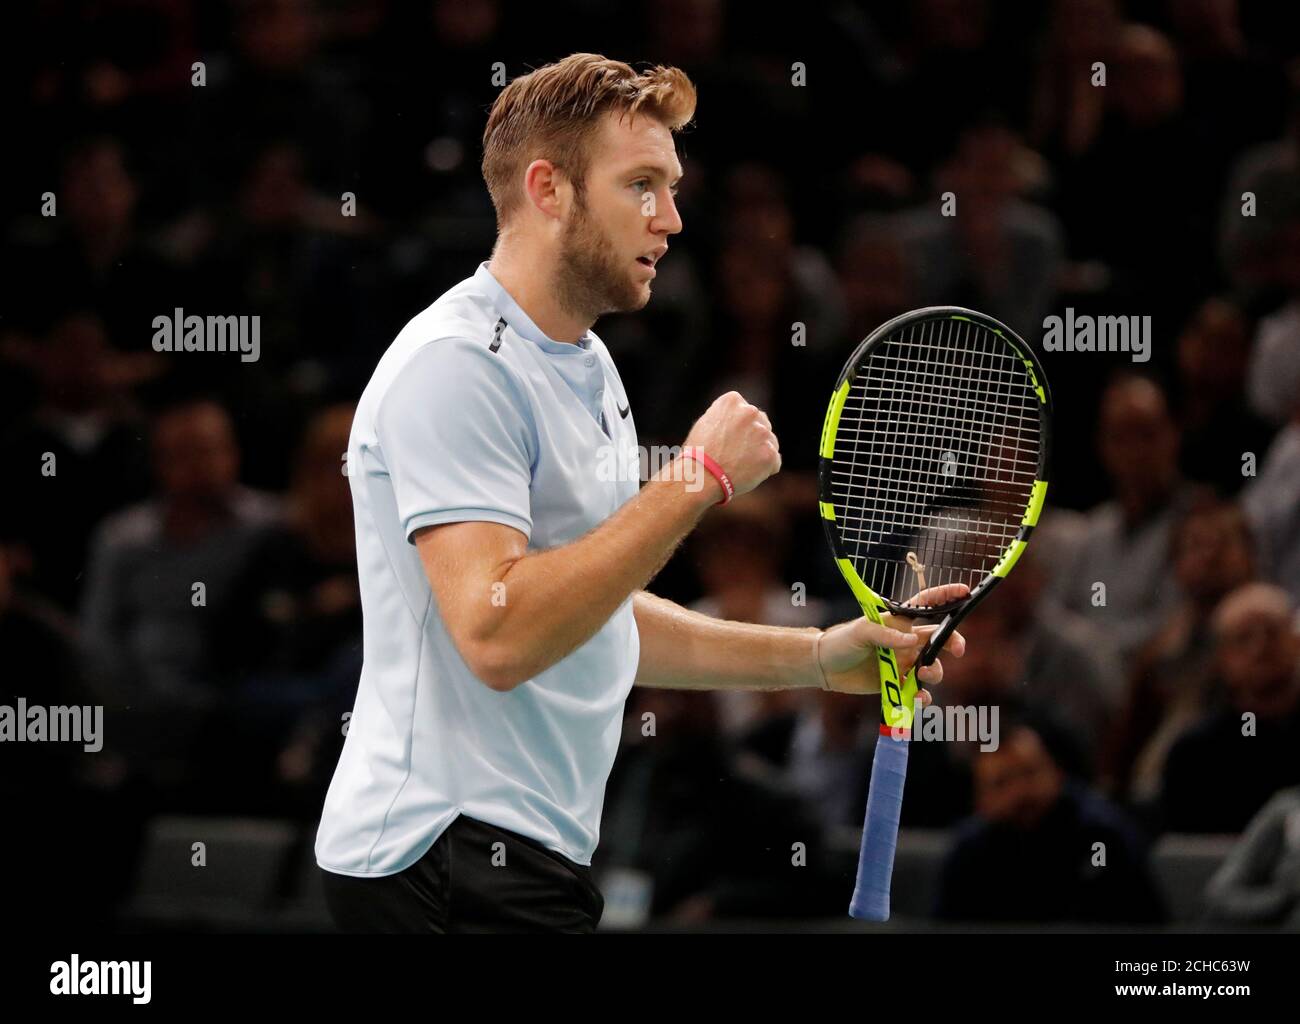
x=666, y=219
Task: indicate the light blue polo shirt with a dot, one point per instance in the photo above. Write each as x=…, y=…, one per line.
x=474, y=414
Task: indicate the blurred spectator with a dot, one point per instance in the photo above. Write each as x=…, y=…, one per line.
x=1234, y=94
x=739, y=554
x=1119, y=577
x=943, y=49
x=92, y=254
x=1023, y=648
x=1067, y=108
x=297, y=604
x=827, y=756
x=289, y=254
x=779, y=315
x=1272, y=500
x=1173, y=675
x=1226, y=767
x=277, y=87
x=707, y=833
x=1148, y=165
x=296, y=611
x=150, y=640
x=119, y=54
x=1259, y=883
x=1267, y=177
x=998, y=252
x=85, y=419
x=874, y=275
x=1042, y=849
x=1217, y=424
x=824, y=749
x=425, y=117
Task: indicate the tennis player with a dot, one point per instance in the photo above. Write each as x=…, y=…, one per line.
x=502, y=572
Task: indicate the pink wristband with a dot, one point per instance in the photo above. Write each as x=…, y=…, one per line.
x=728, y=489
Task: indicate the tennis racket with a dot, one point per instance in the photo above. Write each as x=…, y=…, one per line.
x=933, y=470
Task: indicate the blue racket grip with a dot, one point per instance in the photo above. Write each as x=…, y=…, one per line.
x=880, y=830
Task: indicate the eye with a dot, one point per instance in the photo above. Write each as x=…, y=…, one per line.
x=641, y=184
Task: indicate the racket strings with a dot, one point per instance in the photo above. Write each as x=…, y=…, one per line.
x=936, y=454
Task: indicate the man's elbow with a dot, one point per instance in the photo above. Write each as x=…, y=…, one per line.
x=496, y=667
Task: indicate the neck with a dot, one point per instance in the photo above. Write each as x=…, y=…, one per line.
x=515, y=264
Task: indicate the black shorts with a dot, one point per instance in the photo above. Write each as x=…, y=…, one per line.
x=475, y=878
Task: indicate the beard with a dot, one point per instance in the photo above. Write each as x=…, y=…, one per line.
x=591, y=280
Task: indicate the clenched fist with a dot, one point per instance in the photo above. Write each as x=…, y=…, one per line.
x=738, y=437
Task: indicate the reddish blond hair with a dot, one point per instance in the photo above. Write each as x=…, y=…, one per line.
x=553, y=113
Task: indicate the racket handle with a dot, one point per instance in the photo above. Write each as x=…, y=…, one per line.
x=880, y=830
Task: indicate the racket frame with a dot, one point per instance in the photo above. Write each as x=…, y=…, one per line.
x=873, y=605
x=898, y=693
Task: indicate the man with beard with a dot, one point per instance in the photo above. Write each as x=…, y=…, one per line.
x=501, y=562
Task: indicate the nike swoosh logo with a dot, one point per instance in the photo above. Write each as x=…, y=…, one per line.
x=623, y=411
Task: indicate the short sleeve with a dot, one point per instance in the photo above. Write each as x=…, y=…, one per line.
x=457, y=438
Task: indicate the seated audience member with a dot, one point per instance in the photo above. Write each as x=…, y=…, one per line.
x=298, y=603
x=1272, y=499
x=1227, y=766
x=1002, y=251
x=1149, y=165
x=1173, y=675
x=1259, y=883
x=1213, y=353
x=296, y=617
x=873, y=274
x=95, y=253
x=1250, y=248
x=1041, y=848
x=1119, y=577
x=763, y=283
x=739, y=554
x=162, y=572
x=705, y=833
x=825, y=749
x=1025, y=650
x=826, y=755
x=84, y=419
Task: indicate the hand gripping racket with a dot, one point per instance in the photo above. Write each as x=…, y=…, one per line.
x=933, y=470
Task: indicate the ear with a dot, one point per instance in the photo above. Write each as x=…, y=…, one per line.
x=547, y=188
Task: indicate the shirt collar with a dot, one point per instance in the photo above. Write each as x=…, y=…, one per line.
x=518, y=320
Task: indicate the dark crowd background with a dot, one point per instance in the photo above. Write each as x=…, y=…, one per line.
x=1144, y=657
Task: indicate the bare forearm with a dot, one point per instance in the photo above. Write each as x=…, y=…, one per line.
x=684, y=650
x=556, y=600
